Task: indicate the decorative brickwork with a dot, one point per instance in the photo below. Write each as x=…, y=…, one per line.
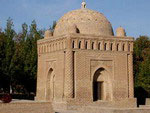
x=68, y=93
x=130, y=70
x=92, y=66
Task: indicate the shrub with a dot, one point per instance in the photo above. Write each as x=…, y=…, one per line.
x=6, y=98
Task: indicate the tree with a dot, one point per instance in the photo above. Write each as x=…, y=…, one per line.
x=30, y=67
x=142, y=63
x=19, y=58
x=53, y=26
x=9, y=51
x=3, y=78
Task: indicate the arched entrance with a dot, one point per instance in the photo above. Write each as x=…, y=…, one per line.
x=50, y=85
x=101, y=85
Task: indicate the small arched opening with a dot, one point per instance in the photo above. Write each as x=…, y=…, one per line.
x=129, y=47
x=79, y=44
x=99, y=46
x=117, y=47
x=56, y=47
x=123, y=47
x=105, y=46
x=92, y=45
x=86, y=45
x=73, y=45
x=111, y=46
x=44, y=49
x=62, y=45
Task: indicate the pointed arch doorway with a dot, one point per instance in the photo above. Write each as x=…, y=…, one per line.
x=50, y=85
x=101, y=85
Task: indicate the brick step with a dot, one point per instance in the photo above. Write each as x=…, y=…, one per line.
x=144, y=106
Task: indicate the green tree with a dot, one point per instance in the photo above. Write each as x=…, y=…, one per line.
x=142, y=63
x=53, y=26
x=30, y=67
x=144, y=71
x=3, y=79
x=19, y=58
x=9, y=51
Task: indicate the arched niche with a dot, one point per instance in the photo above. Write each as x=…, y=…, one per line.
x=101, y=85
x=73, y=44
x=50, y=85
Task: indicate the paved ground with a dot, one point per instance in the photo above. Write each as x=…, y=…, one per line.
x=24, y=106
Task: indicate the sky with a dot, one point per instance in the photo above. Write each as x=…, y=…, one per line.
x=133, y=15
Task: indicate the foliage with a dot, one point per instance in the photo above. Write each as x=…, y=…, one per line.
x=7, y=49
x=18, y=58
x=53, y=26
x=142, y=63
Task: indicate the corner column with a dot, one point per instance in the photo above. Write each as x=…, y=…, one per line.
x=69, y=87
x=131, y=81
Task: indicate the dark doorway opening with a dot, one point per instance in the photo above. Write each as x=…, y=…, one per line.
x=97, y=91
x=141, y=94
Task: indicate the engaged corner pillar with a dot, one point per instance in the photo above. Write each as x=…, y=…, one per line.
x=69, y=89
x=131, y=81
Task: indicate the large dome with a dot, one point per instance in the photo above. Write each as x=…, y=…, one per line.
x=87, y=22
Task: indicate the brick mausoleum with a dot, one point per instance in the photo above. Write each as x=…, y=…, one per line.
x=84, y=63
x=83, y=68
